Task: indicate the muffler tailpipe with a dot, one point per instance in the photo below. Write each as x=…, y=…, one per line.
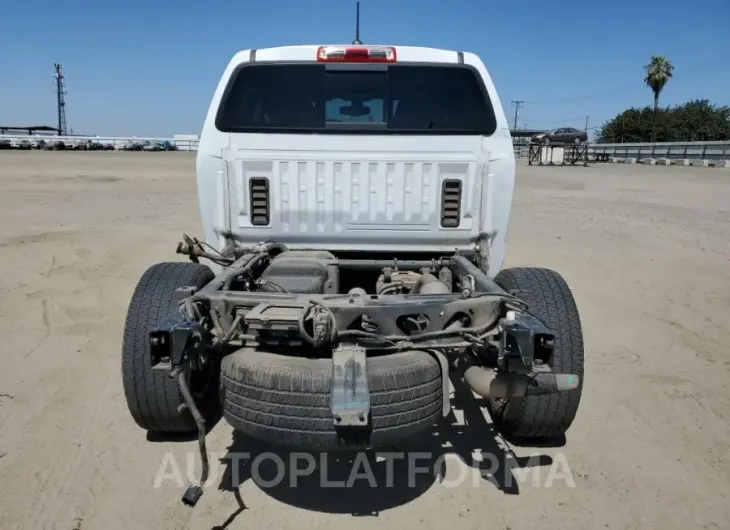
x=490, y=384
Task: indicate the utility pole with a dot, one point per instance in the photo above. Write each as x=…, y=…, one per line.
x=586, y=124
x=518, y=104
x=60, y=97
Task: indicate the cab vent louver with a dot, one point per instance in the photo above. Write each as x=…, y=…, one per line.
x=259, y=194
x=450, y=203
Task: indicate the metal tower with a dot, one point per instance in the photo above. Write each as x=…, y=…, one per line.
x=60, y=97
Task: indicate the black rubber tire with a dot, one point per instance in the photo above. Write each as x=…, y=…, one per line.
x=153, y=398
x=540, y=418
x=285, y=400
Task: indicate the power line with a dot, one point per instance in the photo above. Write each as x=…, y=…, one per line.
x=559, y=121
x=617, y=90
x=628, y=87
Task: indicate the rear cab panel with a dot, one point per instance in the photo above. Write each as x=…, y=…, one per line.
x=333, y=165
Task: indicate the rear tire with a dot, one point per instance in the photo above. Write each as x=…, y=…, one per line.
x=153, y=398
x=544, y=417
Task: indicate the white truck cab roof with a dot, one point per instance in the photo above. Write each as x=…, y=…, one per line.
x=378, y=148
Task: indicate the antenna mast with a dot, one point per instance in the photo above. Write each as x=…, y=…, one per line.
x=357, y=40
x=60, y=97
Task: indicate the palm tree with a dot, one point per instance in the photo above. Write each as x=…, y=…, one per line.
x=658, y=72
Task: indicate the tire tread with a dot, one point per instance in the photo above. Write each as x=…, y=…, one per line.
x=286, y=400
x=550, y=299
x=153, y=398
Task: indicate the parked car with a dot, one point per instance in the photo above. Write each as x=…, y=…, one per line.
x=332, y=324
x=5, y=143
x=25, y=145
x=153, y=146
x=563, y=135
x=56, y=145
x=133, y=145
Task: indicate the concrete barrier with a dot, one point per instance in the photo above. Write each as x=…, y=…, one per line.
x=670, y=162
x=718, y=163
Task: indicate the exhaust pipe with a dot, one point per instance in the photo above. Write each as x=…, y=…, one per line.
x=490, y=384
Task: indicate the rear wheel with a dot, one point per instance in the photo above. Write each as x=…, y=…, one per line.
x=153, y=398
x=549, y=298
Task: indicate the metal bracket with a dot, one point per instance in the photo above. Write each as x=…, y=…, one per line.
x=322, y=328
x=175, y=341
x=521, y=334
x=350, y=395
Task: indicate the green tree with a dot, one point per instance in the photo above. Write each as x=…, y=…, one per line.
x=697, y=120
x=658, y=72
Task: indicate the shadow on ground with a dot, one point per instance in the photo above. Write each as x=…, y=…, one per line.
x=364, y=484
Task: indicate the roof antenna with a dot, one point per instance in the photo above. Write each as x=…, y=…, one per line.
x=357, y=40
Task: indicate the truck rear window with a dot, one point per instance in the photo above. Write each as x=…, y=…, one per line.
x=399, y=99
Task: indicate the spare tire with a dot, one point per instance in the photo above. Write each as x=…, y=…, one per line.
x=285, y=400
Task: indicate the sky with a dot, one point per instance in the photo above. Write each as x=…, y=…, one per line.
x=149, y=68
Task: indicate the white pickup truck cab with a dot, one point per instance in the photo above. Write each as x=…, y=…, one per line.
x=355, y=200
x=374, y=148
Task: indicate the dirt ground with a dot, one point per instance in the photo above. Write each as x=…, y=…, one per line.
x=646, y=250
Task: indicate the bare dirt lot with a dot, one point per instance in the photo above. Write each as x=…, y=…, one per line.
x=646, y=250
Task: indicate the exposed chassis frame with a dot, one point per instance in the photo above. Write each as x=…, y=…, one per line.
x=501, y=348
